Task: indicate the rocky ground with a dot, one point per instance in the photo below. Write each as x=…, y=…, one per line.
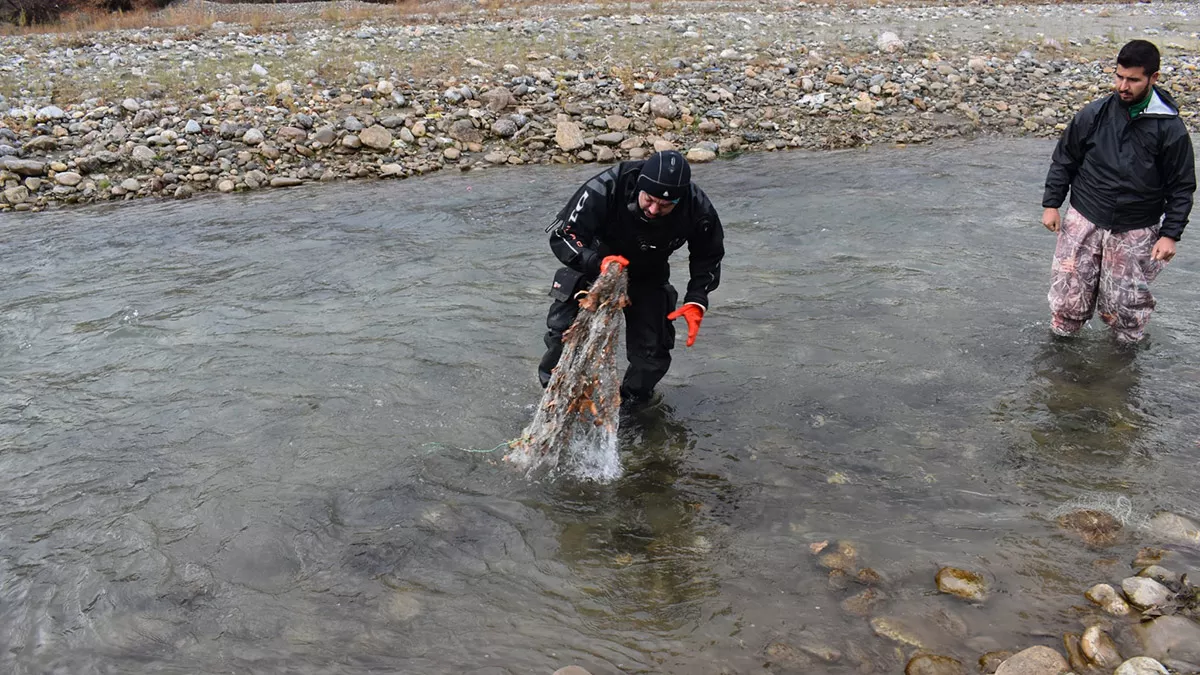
x=230, y=100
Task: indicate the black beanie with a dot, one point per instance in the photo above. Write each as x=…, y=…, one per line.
x=665, y=175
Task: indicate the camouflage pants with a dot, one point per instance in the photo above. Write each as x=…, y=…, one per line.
x=1097, y=269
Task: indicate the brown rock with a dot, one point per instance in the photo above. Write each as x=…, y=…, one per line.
x=1034, y=661
x=465, y=131
x=933, y=664
x=962, y=583
x=989, y=662
x=1099, y=648
x=1096, y=528
x=498, y=99
x=861, y=603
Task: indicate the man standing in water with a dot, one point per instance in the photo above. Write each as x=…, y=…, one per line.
x=636, y=214
x=1127, y=161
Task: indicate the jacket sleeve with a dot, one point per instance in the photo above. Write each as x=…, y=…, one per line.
x=1179, y=170
x=706, y=248
x=1067, y=157
x=573, y=234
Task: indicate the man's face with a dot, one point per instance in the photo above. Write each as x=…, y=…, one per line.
x=1131, y=84
x=653, y=207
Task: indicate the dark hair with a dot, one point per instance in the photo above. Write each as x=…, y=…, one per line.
x=1139, y=54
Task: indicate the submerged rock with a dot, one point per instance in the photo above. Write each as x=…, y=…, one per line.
x=898, y=630
x=1175, y=529
x=1169, y=637
x=1096, y=528
x=571, y=670
x=1034, y=661
x=990, y=662
x=962, y=583
x=934, y=664
x=845, y=558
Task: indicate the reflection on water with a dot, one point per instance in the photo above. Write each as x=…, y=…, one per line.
x=232, y=431
x=644, y=545
x=1089, y=393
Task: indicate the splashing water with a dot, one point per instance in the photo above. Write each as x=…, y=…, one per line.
x=1117, y=506
x=579, y=409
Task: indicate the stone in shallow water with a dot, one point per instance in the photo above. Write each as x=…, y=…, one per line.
x=990, y=662
x=1175, y=529
x=962, y=583
x=571, y=670
x=897, y=630
x=1108, y=599
x=1034, y=661
x=1169, y=637
x=1099, y=648
x=1096, y=528
x=1141, y=665
x=1144, y=593
x=933, y=664
x=844, y=558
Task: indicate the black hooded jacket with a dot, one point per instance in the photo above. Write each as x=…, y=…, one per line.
x=1126, y=174
x=603, y=219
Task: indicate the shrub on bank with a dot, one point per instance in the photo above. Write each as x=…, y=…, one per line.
x=30, y=12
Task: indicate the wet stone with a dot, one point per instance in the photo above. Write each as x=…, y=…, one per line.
x=1169, y=637
x=1141, y=665
x=934, y=664
x=990, y=662
x=897, y=630
x=1034, y=661
x=1144, y=593
x=1099, y=648
x=1108, y=599
x=962, y=583
x=1095, y=528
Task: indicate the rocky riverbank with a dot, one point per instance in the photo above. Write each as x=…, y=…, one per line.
x=222, y=105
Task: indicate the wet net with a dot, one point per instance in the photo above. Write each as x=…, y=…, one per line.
x=576, y=422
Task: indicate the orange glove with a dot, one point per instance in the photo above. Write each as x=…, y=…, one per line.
x=694, y=314
x=619, y=259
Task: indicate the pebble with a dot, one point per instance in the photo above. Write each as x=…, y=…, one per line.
x=1034, y=661
x=1108, y=599
x=1141, y=665
x=962, y=583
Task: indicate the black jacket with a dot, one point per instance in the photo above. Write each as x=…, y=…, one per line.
x=1126, y=174
x=602, y=219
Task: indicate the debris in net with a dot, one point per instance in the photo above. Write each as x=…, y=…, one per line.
x=576, y=422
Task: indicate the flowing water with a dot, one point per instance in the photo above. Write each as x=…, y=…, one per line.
x=235, y=431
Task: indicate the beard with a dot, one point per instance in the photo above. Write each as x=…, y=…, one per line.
x=1133, y=101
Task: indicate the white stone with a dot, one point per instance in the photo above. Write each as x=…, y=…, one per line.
x=1141, y=665
x=1144, y=593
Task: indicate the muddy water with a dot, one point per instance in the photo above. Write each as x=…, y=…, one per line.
x=235, y=430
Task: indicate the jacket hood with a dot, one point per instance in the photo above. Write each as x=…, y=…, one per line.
x=1161, y=104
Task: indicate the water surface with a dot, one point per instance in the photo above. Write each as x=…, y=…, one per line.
x=234, y=430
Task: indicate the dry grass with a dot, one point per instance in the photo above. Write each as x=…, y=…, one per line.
x=261, y=16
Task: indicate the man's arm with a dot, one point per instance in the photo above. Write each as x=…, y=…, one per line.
x=1067, y=157
x=706, y=248
x=573, y=236
x=1179, y=165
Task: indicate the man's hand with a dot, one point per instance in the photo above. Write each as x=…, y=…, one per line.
x=618, y=259
x=694, y=314
x=1050, y=219
x=1164, y=249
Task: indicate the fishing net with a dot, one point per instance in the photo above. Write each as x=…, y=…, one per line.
x=576, y=421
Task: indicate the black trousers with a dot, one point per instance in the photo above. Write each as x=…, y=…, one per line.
x=649, y=337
